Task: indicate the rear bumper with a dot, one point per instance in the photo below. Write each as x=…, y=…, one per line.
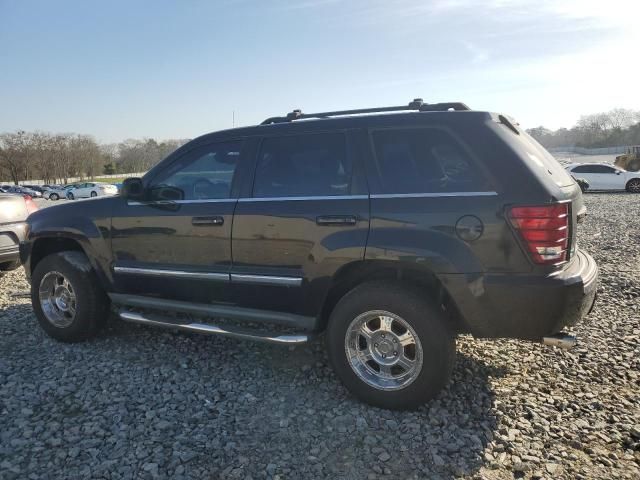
x=526, y=306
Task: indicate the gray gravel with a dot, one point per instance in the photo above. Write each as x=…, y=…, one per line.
x=146, y=403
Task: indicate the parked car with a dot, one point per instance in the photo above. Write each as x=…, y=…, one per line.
x=390, y=232
x=14, y=210
x=605, y=176
x=36, y=188
x=56, y=192
x=91, y=189
x=21, y=190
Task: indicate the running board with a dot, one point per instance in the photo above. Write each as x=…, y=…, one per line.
x=240, y=333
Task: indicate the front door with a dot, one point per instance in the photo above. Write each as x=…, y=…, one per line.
x=176, y=243
x=306, y=217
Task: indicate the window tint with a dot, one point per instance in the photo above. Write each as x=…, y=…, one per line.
x=584, y=169
x=594, y=169
x=303, y=165
x=202, y=174
x=424, y=160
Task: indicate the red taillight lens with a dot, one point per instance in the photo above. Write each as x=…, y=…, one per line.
x=31, y=205
x=545, y=231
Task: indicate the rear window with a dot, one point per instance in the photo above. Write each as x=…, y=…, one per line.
x=424, y=160
x=537, y=155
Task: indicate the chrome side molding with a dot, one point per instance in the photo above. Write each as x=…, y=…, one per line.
x=266, y=280
x=153, y=272
x=239, y=333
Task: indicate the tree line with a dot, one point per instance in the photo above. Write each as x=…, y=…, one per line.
x=617, y=127
x=54, y=158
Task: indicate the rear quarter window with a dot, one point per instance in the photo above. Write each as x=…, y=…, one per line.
x=538, y=157
x=424, y=160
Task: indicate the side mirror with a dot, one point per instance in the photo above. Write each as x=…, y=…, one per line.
x=132, y=188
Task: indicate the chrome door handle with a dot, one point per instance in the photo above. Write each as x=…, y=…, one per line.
x=203, y=221
x=337, y=220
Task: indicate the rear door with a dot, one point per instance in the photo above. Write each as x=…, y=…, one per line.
x=176, y=244
x=306, y=216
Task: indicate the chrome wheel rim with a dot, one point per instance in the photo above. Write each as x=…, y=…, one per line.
x=57, y=299
x=383, y=350
x=634, y=187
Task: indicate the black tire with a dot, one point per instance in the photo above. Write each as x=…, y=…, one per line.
x=427, y=321
x=91, y=302
x=54, y=196
x=94, y=194
x=633, y=185
x=70, y=196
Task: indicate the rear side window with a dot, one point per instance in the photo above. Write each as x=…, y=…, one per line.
x=424, y=160
x=303, y=165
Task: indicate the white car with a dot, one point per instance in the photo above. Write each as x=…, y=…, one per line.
x=91, y=189
x=605, y=176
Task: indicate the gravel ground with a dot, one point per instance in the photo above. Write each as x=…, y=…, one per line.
x=145, y=403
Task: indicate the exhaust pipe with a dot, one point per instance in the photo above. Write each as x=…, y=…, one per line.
x=560, y=340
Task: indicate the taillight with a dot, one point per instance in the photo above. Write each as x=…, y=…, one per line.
x=31, y=205
x=544, y=230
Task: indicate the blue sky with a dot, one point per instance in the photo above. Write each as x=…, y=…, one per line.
x=177, y=69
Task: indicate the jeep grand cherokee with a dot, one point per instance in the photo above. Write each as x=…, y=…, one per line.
x=390, y=229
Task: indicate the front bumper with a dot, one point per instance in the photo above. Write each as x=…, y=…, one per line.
x=526, y=306
x=10, y=237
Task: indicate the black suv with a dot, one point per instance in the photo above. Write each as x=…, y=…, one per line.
x=389, y=232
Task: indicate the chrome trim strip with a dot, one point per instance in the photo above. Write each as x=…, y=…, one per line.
x=320, y=197
x=172, y=273
x=434, y=195
x=184, y=202
x=213, y=329
x=267, y=280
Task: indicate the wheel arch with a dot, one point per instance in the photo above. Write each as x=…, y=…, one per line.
x=414, y=277
x=630, y=181
x=44, y=246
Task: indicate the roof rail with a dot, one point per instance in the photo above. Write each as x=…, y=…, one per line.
x=415, y=105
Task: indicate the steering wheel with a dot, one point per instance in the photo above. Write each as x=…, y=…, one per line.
x=202, y=188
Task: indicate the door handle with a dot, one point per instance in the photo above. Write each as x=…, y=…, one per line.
x=336, y=220
x=203, y=221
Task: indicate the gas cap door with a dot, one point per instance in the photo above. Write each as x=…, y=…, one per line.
x=469, y=228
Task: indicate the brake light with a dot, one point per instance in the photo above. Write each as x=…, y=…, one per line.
x=31, y=205
x=544, y=230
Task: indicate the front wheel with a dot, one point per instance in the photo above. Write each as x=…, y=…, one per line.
x=54, y=196
x=94, y=194
x=70, y=196
x=66, y=296
x=389, y=346
x=633, y=185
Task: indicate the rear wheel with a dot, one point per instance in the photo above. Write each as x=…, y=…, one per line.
x=389, y=346
x=633, y=185
x=54, y=196
x=68, y=301
x=94, y=194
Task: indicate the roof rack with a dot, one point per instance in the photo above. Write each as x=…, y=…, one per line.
x=415, y=105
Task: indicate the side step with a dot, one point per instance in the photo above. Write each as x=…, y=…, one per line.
x=240, y=333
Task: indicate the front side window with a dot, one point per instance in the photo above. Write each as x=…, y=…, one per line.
x=424, y=160
x=303, y=165
x=205, y=173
